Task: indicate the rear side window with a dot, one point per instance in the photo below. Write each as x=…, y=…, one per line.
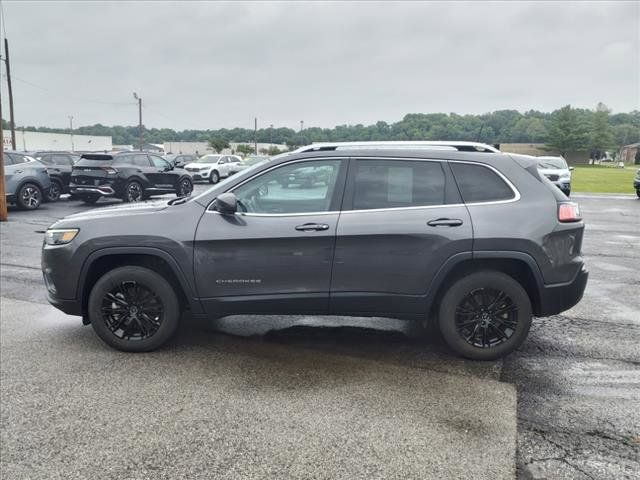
x=480, y=184
x=62, y=160
x=397, y=184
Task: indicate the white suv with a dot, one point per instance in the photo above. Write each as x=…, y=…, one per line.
x=213, y=167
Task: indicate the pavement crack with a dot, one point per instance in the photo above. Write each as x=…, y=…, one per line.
x=15, y=265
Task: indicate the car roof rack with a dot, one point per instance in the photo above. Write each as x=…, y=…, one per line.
x=400, y=145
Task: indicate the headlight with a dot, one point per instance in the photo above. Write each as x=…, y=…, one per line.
x=60, y=236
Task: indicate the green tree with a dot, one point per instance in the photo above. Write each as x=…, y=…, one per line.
x=273, y=150
x=567, y=133
x=245, y=149
x=218, y=144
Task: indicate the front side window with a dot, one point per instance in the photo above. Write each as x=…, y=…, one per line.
x=302, y=187
x=159, y=162
x=480, y=184
x=397, y=184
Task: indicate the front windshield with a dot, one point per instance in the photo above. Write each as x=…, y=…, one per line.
x=555, y=163
x=208, y=159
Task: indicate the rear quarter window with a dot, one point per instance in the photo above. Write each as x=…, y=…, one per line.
x=478, y=183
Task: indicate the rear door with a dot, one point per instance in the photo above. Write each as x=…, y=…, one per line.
x=401, y=220
x=276, y=252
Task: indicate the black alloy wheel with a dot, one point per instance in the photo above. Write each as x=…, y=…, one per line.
x=132, y=311
x=186, y=188
x=133, y=192
x=54, y=191
x=486, y=317
x=29, y=197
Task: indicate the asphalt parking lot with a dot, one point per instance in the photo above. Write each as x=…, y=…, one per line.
x=314, y=397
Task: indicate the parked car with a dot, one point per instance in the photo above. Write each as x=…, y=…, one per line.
x=636, y=183
x=180, y=160
x=59, y=165
x=307, y=177
x=213, y=167
x=129, y=176
x=418, y=234
x=26, y=181
x=557, y=171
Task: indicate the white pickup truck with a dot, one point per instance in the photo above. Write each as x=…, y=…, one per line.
x=213, y=167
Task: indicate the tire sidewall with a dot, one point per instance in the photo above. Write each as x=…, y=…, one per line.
x=150, y=279
x=459, y=289
x=214, y=177
x=125, y=197
x=180, y=192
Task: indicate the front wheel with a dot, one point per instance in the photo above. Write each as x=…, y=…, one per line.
x=185, y=188
x=29, y=197
x=485, y=315
x=134, y=309
x=214, y=177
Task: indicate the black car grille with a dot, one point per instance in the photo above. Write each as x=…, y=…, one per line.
x=553, y=177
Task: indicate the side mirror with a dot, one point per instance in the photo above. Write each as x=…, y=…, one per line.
x=571, y=168
x=226, y=203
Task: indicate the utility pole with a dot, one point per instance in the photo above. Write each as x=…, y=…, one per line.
x=3, y=197
x=255, y=134
x=139, y=99
x=71, y=128
x=11, y=119
x=301, y=125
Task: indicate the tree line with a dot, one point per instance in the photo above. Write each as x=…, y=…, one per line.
x=565, y=129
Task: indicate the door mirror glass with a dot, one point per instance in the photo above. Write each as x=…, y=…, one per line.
x=571, y=168
x=226, y=203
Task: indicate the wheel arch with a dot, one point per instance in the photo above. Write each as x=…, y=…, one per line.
x=105, y=260
x=520, y=266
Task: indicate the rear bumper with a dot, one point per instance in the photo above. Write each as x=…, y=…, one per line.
x=555, y=299
x=104, y=190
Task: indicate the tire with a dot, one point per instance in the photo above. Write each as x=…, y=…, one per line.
x=89, y=199
x=133, y=331
x=514, y=321
x=54, y=192
x=29, y=196
x=185, y=188
x=214, y=177
x=133, y=192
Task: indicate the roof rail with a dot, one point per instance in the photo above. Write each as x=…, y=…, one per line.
x=400, y=145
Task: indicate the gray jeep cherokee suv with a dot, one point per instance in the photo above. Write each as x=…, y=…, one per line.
x=477, y=242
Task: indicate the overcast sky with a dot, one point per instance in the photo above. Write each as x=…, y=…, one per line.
x=212, y=65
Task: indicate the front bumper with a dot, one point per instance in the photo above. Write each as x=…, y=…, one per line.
x=203, y=175
x=557, y=298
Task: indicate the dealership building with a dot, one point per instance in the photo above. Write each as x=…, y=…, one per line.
x=29, y=141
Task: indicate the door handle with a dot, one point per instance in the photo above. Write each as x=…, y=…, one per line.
x=445, y=222
x=310, y=227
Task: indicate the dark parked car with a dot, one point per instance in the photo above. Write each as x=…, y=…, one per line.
x=26, y=182
x=180, y=160
x=476, y=243
x=130, y=176
x=59, y=165
x=636, y=183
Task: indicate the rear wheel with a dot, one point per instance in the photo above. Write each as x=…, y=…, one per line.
x=485, y=315
x=29, y=196
x=133, y=192
x=55, y=190
x=89, y=199
x=133, y=309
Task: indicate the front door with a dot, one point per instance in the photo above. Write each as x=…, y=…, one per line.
x=274, y=254
x=162, y=176
x=401, y=220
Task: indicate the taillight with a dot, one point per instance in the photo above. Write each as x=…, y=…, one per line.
x=569, y=212
x=109, y=170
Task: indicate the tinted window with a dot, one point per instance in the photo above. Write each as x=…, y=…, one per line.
x=18, y=158
x=480, y=184
x=48, y=159
x=158, y=162
x=294, y=188
x=394, y=184
x=141, y=160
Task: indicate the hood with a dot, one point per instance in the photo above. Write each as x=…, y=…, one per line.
x=555, y=171
x=126, y=209
x=198, y=165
